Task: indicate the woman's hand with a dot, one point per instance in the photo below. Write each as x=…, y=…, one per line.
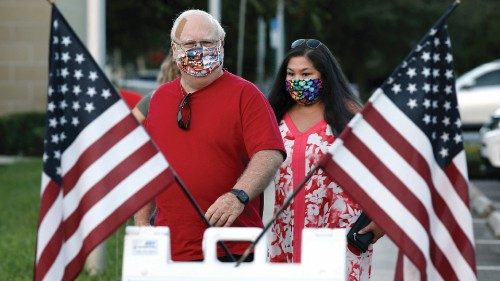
x=373, y=227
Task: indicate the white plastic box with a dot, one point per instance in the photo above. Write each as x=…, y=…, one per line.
x=147, y=257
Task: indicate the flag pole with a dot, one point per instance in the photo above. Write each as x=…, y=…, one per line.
x=51, y=2
x=448, y=12
x=248, y=251
x=198, y=209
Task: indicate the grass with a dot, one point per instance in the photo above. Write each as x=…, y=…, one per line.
x=19, y=203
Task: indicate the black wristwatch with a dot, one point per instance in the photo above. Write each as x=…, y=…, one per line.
x=241, y=195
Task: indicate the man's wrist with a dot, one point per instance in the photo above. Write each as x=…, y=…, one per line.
x=241, y=195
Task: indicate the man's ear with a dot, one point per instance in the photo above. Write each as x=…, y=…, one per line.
x=175, y=47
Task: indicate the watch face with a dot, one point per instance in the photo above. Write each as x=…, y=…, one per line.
x=241, y=195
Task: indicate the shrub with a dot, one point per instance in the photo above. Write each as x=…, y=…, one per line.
x=473, y=160
x=22, y=133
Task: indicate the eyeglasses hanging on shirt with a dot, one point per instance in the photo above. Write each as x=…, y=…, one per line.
x=184, y=113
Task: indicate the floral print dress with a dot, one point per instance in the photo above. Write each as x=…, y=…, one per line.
x=321, y=203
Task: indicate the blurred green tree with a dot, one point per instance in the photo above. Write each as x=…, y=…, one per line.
x=370, y=38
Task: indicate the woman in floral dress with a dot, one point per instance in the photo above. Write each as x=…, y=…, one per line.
x=313, y=102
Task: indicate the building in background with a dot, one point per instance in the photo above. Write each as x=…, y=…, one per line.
x=24, y=48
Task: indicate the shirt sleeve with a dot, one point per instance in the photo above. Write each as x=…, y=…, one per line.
x=143, y=104
x=260, y=127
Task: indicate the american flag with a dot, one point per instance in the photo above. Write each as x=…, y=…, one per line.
x=402, y=159
x=99, y=164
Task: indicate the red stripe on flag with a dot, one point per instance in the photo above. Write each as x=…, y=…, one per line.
x=418, y=162
x=106, y=184
x=393, y=184
x=49, y=196
x=115, y=219
x=49, y=254
x=378, y=214
x=458, y=181
x=97, y=149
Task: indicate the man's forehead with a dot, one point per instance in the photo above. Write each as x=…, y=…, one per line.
x=195, y=28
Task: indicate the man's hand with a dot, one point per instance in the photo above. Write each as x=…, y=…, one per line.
x=224, y=210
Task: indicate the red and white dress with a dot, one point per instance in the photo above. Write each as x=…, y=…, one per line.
x=321, y=203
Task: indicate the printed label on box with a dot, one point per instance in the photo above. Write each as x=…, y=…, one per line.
x=145, y=247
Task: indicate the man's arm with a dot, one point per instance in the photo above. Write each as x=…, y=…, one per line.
x=138, y=115
x=141, y=218
x=253, y=181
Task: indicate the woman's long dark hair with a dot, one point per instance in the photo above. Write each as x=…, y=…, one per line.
x=337, y=96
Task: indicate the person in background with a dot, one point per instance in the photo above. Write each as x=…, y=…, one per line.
x=313, y=103
x=219, y=134
x=168, y=72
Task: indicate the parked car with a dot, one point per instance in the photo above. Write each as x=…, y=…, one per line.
x=490, y=145
x=478, y=93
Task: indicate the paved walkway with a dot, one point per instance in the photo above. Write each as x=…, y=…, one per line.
x=5, y=160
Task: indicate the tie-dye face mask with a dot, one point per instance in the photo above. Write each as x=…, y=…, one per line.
x=200, y=61
x=305, y=92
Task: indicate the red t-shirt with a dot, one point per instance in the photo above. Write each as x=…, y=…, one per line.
x=230, y=121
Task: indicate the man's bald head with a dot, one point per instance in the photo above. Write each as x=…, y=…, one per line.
x=196, y=19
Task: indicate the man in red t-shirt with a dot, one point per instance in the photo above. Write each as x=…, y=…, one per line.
x=218, y=133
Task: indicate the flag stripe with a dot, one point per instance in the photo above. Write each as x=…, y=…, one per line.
x=101, y=188
x=94, y=150
x=407, y=151
x=119, y=197
x=44, y=183
x=49, y=224
x=94, y=131
x=100, y=212
x=110, y=224
x=415, y=138
x=92, y=175
x=394, y=184
x=458, y=182
x=462, y=169
x=120, y=193
x=98, y=170
x=48, y=197
x=355, y=189
x=56, y=272
x=49, y=254
x=439, y=195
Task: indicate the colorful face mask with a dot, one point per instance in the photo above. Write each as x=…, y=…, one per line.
x=200, y=61
x=304, y=92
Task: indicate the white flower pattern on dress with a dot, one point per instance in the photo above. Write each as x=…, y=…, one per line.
x=326, y=203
